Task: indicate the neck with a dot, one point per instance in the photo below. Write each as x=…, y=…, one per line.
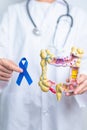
x=49, y=1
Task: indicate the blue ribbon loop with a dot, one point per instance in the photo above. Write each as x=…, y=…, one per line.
x=24, y=64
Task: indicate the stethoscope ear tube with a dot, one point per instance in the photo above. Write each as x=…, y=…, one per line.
x=60, y=18
x=67, y=13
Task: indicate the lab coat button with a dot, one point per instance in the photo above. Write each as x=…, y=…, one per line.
x=45, y=112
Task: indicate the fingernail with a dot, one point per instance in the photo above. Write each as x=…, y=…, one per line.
x=21, y=70
x=75, y=92
x=67, y=94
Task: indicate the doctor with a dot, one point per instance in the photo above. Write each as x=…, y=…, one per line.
x=26, y=29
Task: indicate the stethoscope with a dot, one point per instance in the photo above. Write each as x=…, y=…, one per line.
x=37, y=32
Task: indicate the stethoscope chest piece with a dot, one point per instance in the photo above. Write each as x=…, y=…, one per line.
x=36, y=32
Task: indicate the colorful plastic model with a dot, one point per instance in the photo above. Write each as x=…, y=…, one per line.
x=73, y=61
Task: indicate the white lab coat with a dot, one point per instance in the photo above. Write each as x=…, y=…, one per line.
x=27, y=107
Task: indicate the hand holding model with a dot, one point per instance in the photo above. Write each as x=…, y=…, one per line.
x=82, y=85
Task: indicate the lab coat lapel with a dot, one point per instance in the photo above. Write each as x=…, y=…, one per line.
x=54, y=12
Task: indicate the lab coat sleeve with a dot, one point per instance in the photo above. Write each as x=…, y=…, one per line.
x=4, y=37
x=82, y=41
x=4, y=44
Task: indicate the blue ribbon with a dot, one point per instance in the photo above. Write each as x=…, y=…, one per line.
x=24, y=64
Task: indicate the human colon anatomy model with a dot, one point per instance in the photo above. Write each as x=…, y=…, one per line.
x=73, y=61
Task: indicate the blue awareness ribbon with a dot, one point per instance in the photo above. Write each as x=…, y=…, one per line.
x=24, y=64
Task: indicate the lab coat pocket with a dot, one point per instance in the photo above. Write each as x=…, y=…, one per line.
x=33, y=96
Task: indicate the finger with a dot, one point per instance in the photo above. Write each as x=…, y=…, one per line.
x=83, y=91
x=3, y=69
x=81, y=78
x=69, y=94
x=10, y=65
x=6, y=75
x=4, y=78
x=80, y=87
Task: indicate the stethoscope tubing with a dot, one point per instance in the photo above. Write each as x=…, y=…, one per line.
x=58, y=20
